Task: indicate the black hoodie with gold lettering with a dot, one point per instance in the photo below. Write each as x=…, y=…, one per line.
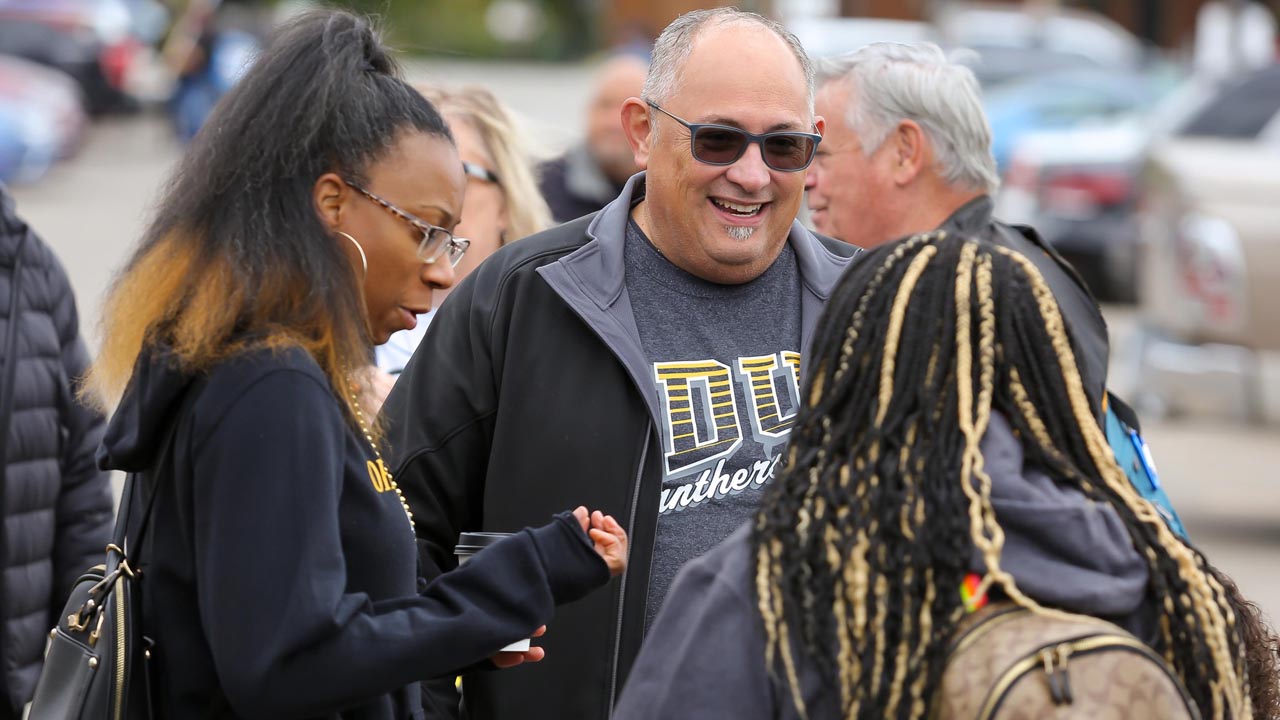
x=280, y=573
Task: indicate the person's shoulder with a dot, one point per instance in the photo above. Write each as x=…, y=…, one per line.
x=241, y=372
x=553, y=170
x=38, y=258
x=264, y=379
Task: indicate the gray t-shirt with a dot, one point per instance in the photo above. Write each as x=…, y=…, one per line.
x=725, y=363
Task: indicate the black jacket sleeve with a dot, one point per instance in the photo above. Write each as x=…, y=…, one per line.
x=286, y=637
x=84, y=508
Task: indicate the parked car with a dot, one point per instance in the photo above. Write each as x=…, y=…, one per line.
x=1078, y=184
x=1210, y=262
x=1015, y=41
x=93, y=41
x=1078, y=188
x=1067, y=99
x=43, y=118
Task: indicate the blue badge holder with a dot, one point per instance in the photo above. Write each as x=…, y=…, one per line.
x=1134, y=457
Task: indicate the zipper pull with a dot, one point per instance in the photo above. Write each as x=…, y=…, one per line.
x=97, y=630
x=1055, y=668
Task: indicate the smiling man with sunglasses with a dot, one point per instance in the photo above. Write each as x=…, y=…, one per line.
x=644, y=359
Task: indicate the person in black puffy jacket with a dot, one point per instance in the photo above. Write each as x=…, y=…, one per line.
x=54, y=502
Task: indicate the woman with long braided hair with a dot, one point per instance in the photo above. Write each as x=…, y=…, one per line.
x=945, y=431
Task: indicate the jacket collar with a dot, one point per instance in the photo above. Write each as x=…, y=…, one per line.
x=600, y=264
x=592, y=281
x=972, y=217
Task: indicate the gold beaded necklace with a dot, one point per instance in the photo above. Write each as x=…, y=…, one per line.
x=382, y=466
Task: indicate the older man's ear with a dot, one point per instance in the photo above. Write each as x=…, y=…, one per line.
x=639, y=129
x=911, y=152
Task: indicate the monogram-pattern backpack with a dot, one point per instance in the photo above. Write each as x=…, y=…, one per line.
x=1008, y=663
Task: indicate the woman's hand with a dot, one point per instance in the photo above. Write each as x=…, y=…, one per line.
x=608, y=536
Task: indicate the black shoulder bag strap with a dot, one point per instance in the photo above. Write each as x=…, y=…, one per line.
x=133, y=547
x=124, y=555
x=129, y=549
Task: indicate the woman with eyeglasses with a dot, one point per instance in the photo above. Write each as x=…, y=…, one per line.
x=503, y=202
x=312, y=217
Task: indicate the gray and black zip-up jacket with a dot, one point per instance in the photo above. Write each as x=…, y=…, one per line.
x=529, y=394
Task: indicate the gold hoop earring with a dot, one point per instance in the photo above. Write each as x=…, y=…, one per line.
x=364, y=261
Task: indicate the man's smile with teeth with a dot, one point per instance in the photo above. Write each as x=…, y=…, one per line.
x=738, y=209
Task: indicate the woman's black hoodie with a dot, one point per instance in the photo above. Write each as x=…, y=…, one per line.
x=279, y=580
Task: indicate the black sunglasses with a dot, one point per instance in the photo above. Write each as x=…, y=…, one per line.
x=724, y=145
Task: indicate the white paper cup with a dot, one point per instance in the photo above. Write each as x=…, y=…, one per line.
x=470, y=543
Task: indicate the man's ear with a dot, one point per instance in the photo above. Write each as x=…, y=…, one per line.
x=638, y=129
x=911, y=153
x=329, y=194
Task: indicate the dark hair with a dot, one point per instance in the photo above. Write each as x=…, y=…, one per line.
x=237, y=254
x=862, y=544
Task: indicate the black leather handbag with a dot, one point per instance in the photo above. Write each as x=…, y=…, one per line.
x=97, y=662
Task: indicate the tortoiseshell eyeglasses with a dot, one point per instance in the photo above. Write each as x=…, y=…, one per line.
x=435, y=242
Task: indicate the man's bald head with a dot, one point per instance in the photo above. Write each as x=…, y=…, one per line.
x=672, y=49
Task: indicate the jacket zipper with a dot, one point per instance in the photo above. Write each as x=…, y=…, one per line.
x=1079, y=646
x=622, y=590
x=120, y=648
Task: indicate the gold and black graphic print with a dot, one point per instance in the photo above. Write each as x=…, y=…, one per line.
x=702, y=415
x=379, y=475
x=772, y=384
x=700, y=401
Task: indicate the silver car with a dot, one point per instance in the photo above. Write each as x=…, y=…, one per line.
x=1209, y=263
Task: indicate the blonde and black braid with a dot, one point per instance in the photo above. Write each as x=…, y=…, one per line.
x=863, y=542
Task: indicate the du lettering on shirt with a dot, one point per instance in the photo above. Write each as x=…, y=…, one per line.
x=725, y=366
x=713, y=413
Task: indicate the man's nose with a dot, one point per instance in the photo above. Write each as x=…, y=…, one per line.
x=749, y=172
x=811, y=178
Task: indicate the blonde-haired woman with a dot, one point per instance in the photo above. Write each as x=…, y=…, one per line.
x=502, y=201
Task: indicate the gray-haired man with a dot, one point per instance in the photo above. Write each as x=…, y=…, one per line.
x=644, y=360
x=908, y=150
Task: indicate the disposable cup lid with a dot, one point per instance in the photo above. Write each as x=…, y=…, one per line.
x=473, y=542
